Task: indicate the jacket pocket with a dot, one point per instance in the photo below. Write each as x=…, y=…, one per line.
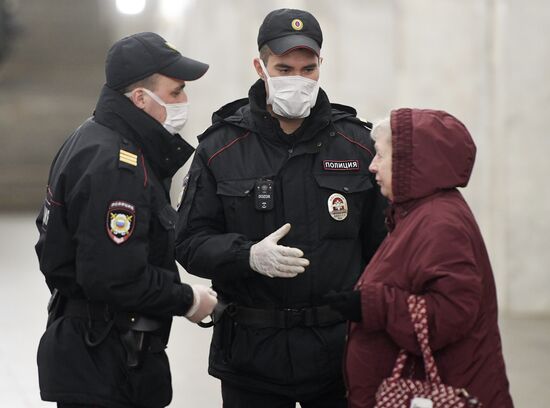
x=341, y=199
x=241, y=216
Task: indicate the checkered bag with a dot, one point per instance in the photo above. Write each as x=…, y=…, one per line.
x=399, y=392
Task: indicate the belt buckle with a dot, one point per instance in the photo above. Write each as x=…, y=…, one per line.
x=293, y=317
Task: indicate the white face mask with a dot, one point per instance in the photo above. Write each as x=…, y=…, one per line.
x=291, y=96
x=176, y=113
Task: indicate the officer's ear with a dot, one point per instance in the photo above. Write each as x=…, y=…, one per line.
x=258, y=68
x=136, y=95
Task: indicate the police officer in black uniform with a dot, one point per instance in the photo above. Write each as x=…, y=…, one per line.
x=106, y=245
x=279, y=209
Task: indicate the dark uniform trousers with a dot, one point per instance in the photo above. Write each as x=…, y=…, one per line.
x=234, y=397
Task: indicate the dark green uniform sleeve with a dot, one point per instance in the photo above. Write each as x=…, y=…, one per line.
x=113, y=220
x=203, y=246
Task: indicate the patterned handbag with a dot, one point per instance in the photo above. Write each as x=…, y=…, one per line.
x=399, y=392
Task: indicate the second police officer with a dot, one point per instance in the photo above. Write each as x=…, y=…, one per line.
x=106, y=245
x=279, y=209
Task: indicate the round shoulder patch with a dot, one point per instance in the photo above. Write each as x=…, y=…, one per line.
x=120, y=222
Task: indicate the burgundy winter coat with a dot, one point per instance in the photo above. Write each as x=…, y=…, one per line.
x=434, y=249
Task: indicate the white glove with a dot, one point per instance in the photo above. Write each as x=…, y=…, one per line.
x=277, y=261
x=204, y=301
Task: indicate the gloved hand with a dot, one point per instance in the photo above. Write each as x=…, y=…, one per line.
x=347, y=303
x=277, y=261
x=204, y=301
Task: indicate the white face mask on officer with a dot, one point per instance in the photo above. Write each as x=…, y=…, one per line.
x=291, y=96
x=176, y=113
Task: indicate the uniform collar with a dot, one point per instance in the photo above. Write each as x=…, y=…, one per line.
x=165, y=152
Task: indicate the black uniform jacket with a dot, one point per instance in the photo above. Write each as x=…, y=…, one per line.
x=107, y=235
x=322, y=186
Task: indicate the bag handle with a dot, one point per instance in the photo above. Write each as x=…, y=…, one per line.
x=419, y=317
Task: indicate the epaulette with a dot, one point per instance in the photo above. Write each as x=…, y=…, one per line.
x=219, y=117
x=127, y=156
x=210, y=130
x=228, y=109
x=360, y=121
x=344, y=112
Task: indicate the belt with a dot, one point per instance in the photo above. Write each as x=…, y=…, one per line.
x=95, y=311
x=285, y=318
x=88, y=310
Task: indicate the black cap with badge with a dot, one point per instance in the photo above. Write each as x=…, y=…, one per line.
x=285, y=30
x=138, y=56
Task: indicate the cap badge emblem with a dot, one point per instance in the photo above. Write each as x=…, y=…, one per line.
x=297, y=24
x=338, y=207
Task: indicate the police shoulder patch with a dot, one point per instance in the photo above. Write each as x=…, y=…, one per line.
x=120, y=222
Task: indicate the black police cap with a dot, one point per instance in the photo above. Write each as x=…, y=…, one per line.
x=140, y=55
x=284, y=30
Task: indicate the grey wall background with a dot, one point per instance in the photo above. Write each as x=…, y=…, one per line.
x=486, y=61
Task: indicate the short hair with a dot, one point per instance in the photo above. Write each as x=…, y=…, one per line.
x=265, y=52
x=149, y=82
x=381, y=127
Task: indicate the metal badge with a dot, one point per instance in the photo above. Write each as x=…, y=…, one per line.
x=337, y=206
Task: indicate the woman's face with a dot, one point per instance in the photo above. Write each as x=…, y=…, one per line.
x=381, y=164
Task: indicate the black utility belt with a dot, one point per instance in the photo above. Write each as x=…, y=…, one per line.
x=284, y=318
x=93, y=311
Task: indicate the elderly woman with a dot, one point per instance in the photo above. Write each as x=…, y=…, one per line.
x=434, y=249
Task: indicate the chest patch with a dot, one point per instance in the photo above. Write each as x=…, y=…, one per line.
x=121, y=219
x=341, y=165
x=337, y=206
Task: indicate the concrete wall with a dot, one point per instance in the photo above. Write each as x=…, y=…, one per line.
x=486, y=61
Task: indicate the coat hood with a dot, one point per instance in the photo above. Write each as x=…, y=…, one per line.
x=431, y=151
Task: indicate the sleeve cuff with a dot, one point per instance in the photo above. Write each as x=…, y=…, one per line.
x=184, y=298
x=196, y=303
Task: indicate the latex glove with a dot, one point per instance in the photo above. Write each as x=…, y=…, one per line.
x=277, y=261
x=347, y=303
x=204, y=301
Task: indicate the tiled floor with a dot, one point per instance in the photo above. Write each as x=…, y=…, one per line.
x=23, y=297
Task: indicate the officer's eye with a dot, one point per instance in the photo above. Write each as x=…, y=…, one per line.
x=177, y=91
